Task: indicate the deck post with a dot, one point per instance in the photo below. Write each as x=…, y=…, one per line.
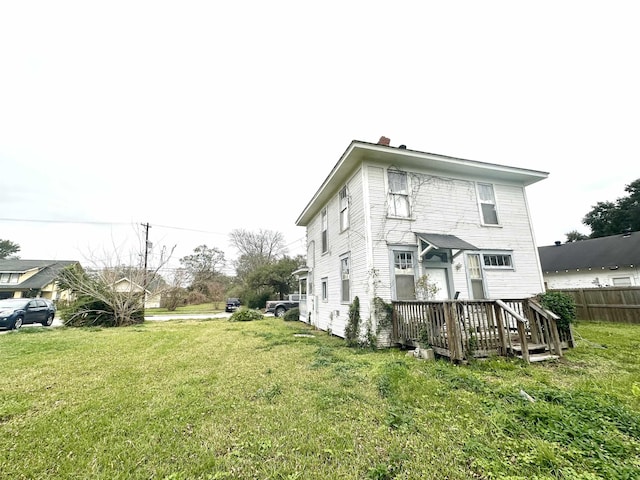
x=524, y=344
x=453, y=330
x=500, y=324
x=555, y=335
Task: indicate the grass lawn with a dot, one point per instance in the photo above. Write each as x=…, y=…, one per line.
x=277, y=400
x=214, y=307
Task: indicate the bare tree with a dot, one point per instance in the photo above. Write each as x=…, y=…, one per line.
x=110, y=291
x=256, y=249
x=175, y=294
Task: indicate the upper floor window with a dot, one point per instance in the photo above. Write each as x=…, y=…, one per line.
x=487, y=200
x=497, y=260
x=398, y=194
x=325, y=226
x=344, y=275
x=344, y=209
x=9, y=277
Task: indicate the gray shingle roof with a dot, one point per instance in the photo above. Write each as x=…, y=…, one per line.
x=616, y=250
x=48, y=271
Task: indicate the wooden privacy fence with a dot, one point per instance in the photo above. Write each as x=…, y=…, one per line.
x=461, y=329
x=608, y=304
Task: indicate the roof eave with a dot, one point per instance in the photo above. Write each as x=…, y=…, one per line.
x=357, y=151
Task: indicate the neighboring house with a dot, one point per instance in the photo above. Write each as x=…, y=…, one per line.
x=152, y=299
x=612, y=261
x=401, y=224
x=32, y=278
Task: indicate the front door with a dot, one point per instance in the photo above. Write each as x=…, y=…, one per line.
x=438, y=283
x=475, y=276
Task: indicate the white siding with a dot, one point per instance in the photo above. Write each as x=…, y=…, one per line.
x=439, y=205
x=589, y=278
x=449, y=206
x=333, y=314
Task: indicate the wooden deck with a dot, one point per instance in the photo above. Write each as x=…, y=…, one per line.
x=462, y=329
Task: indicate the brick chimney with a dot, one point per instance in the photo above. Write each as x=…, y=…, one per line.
x=384, y=141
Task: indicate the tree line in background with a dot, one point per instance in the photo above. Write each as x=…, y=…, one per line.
x=111, y=294
x=263, y=270
x=612, y=218
x=111, y=290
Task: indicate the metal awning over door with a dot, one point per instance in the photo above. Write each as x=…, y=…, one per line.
x=439, y=241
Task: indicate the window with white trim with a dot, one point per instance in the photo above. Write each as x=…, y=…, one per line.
x=404, y=275
x=7, y=277
x=621, y=281
x=497, y=260
x=487, y=201
x=398, y=193
x=345, y=283
x=325, y=289
x=344, y=209
x=325, y=226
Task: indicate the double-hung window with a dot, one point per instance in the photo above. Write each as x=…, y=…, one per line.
x=325, y=226
x=344, y=209
x=404, y=275
x=487, y=201
x=344, y=276
x=398, y=194
x=325, y=289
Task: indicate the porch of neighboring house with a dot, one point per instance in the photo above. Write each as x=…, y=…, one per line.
x=462, y=329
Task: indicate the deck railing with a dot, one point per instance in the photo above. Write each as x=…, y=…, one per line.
x=461, y=329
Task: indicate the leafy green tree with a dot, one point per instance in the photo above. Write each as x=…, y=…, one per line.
x=575, y=236
x=7, y=248
x=277, y=277
x=204, y=265
x=612, y=218
x=256, y=249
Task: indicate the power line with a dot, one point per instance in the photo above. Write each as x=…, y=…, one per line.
x=32, y=220
x=95, y=222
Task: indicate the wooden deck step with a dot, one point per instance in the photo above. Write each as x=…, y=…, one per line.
x=540, y=357
x=533, y=347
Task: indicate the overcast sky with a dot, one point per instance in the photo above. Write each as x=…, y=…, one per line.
x=200, y=117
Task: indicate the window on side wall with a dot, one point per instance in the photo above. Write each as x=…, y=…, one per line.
x=497, y=260
x=325, y=226
x=325, y=289
x=344, y=209
x=398, y=194
x=404, y=275
x=344, y=275
x=487, y=201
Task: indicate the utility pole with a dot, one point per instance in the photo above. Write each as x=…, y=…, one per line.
x=146, y=255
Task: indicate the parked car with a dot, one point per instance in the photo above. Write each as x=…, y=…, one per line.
x=280, y=307
x=15, y=312
x=232, y=304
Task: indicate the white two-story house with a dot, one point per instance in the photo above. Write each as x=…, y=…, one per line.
x=401, y=224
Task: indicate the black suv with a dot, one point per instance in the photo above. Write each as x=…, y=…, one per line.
x=232, y=304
